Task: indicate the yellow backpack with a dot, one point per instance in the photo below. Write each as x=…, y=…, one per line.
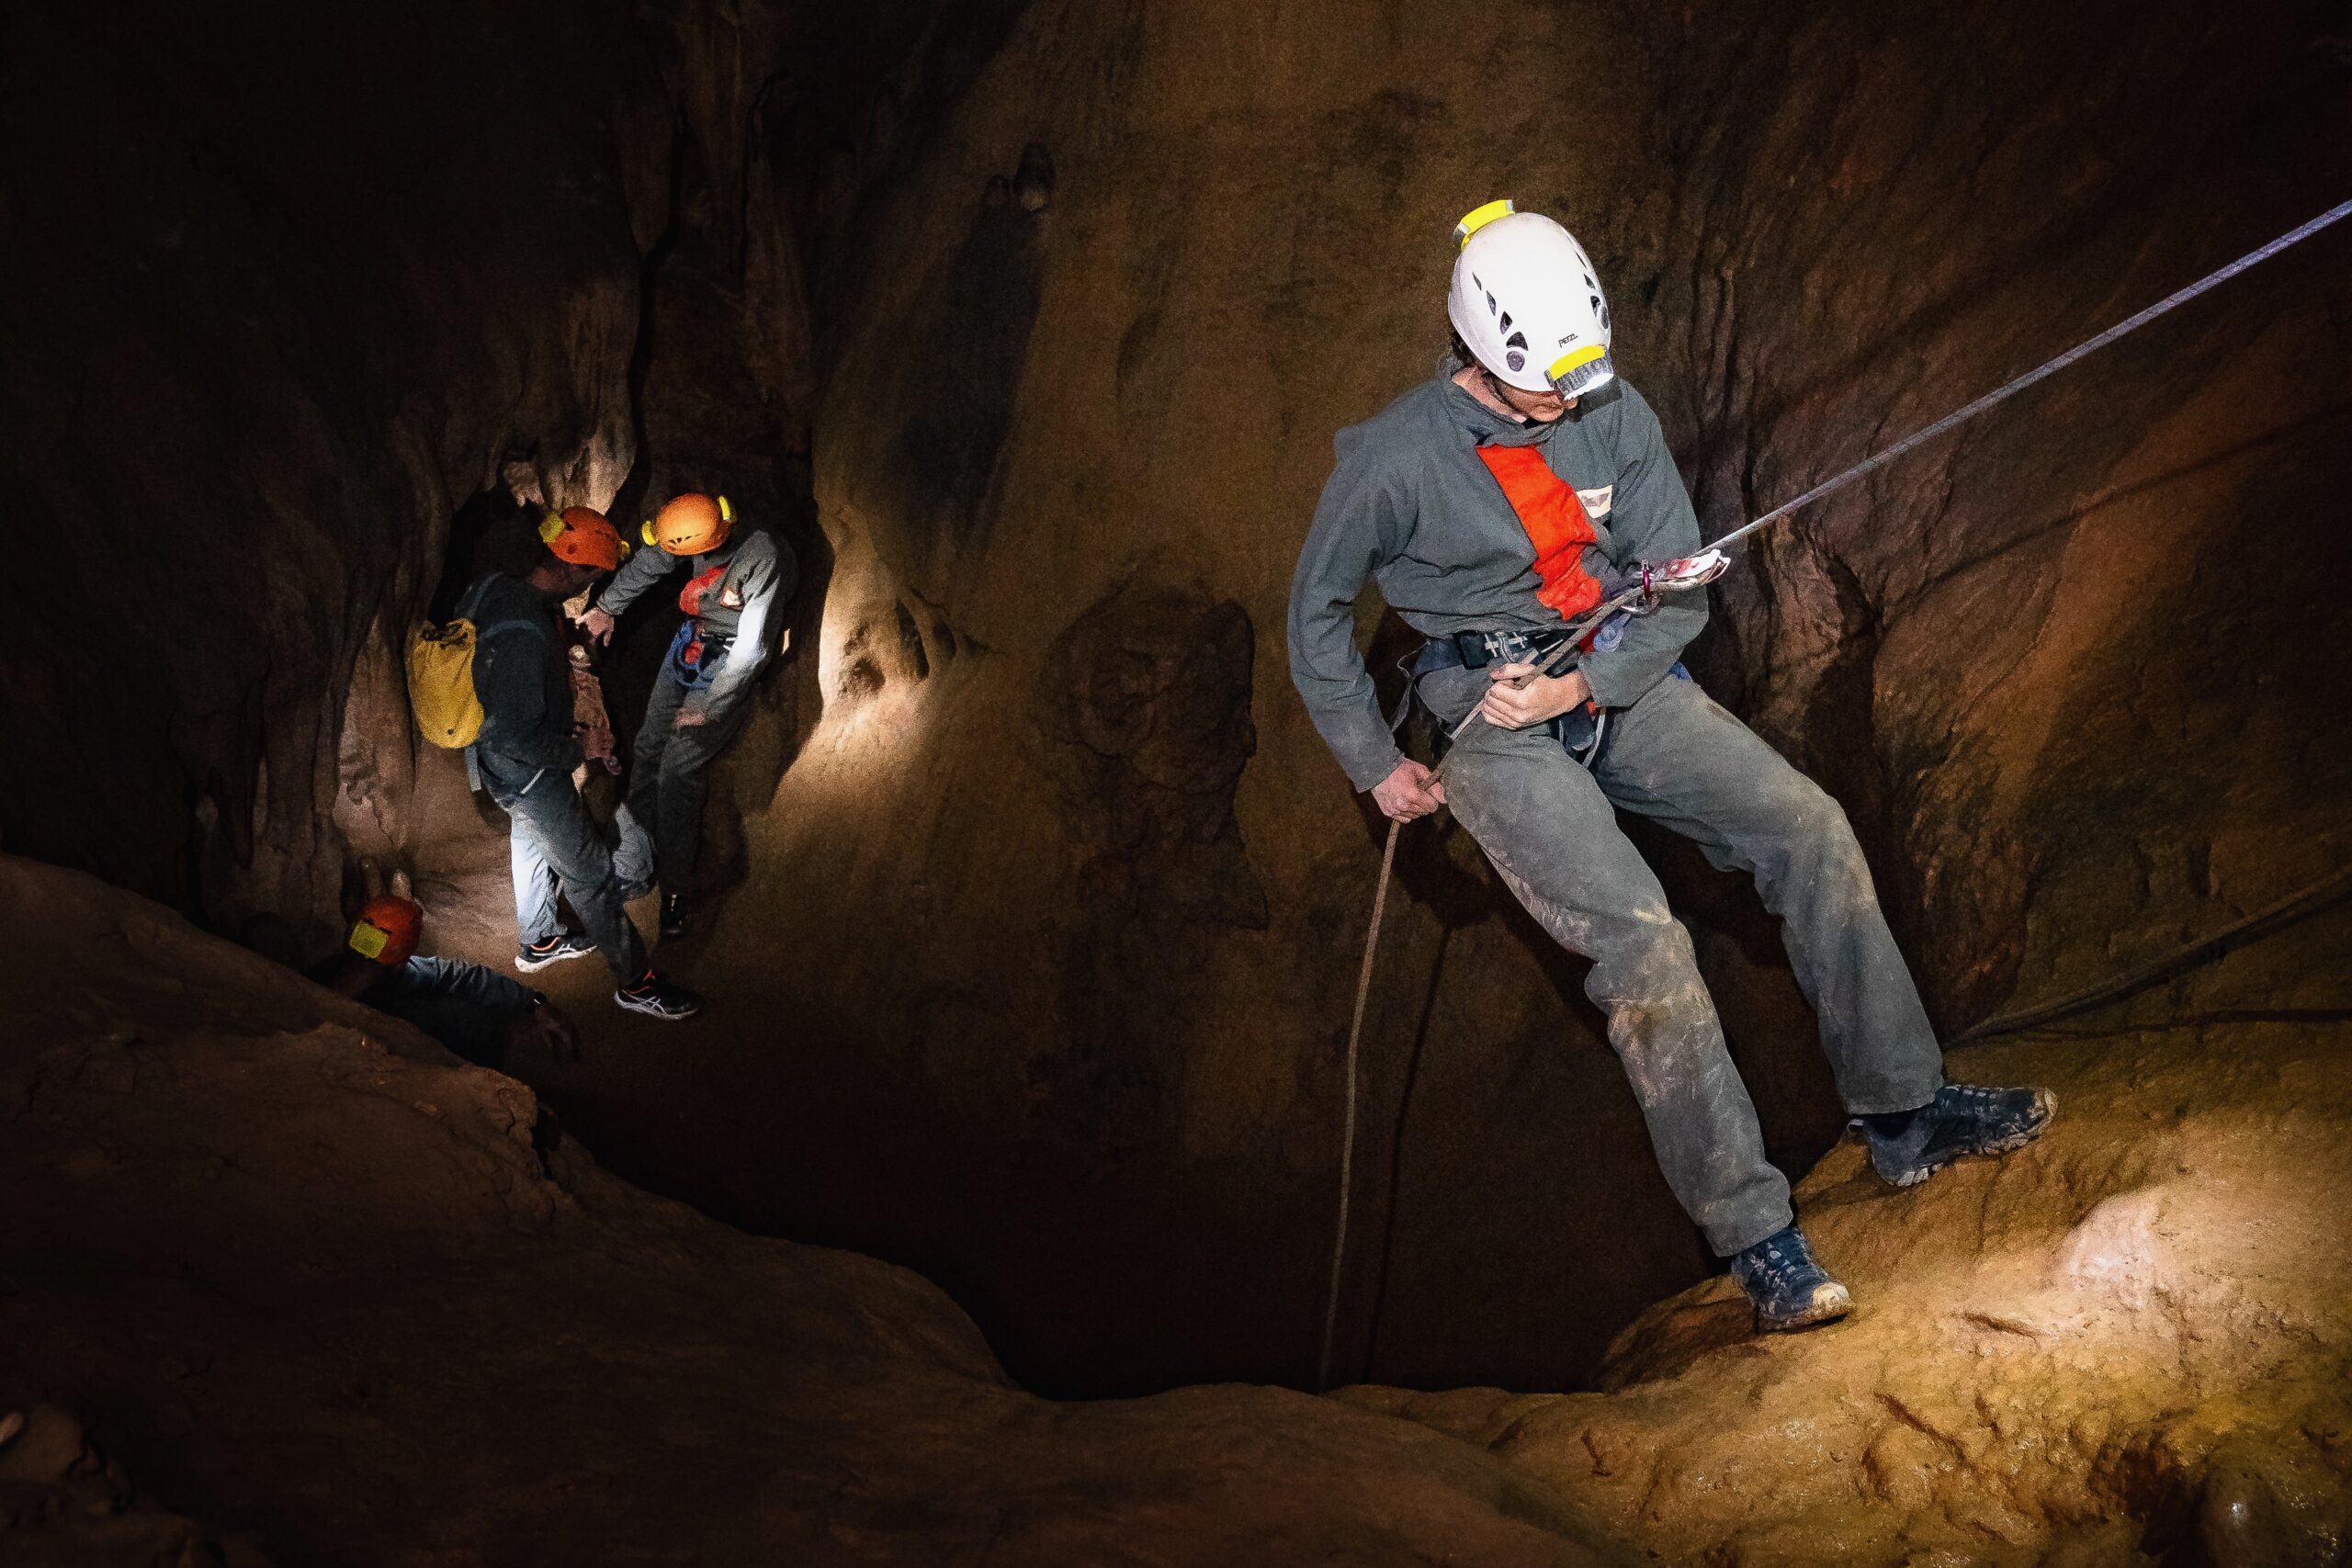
x=441, y=675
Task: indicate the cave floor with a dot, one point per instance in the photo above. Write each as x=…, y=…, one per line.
x=2134, y=1333
x=309, y=1278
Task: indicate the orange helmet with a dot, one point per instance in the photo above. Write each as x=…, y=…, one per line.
x=580, y=536
x=387, y=929
x=692, y=525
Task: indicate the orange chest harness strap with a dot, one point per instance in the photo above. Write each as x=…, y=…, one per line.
x=1547, y=507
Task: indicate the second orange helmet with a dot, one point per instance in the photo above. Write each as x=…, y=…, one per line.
x=691, y=524
x=581, y=535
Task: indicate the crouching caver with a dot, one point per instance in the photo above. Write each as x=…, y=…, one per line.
x=527, y=749
x=477, y=1012
x=1490, y=502
x=704, y=687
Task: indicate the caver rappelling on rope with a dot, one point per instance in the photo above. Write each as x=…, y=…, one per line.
x=1507, y=507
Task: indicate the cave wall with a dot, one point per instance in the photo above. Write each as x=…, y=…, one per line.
x=1029, y=325
x=2093, y=722
x=280, y=297
x=1114, y=412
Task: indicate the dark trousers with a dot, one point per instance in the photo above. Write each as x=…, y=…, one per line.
x=670, y=774
x=1548, y=825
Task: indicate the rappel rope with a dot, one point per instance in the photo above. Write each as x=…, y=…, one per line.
x=1632, y=597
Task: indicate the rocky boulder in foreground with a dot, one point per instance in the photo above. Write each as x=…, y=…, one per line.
x=2131, y=1341
x=310, y=1278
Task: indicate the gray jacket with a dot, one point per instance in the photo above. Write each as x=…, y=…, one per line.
x=1410, y=505
x=756, y=573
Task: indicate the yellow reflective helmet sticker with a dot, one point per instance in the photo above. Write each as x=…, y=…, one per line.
x=550, y=528
x=1573, y=358
x=1478, y=218
x=368, y=941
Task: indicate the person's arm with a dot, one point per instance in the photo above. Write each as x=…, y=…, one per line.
x=768, y=576
x=1652, y=520
x=1358, y=522
x=467, y=983
x=646, y=565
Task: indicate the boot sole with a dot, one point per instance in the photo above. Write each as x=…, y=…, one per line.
x=664, y=1014
x=530, y=965
x=1831, y=1302
x=2045, y=1105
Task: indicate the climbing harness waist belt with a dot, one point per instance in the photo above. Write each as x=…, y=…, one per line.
x=1579, y=730
x=695, y=654
x=1477, y=649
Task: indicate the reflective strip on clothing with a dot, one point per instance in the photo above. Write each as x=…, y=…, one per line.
x=1547, y=507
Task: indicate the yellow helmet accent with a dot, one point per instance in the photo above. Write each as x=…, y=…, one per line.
x=1575, y=357
x=1478, y=218
x=648, y=531
x=726, y=512
x=550, y=528
x=367, y=940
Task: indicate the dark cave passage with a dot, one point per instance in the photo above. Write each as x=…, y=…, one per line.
x=1029, y=902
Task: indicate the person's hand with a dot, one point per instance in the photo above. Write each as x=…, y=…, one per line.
x=555, y=1029
x=598, y=625
x=690, y=716
x=1515, y=701
x=1410, y=790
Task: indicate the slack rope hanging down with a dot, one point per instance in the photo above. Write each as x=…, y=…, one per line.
x=1697, y=571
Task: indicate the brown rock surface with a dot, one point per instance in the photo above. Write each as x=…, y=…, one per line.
x=1063, y=1031
x=298, y=314
x=311, y=1278
x=2130, y=1340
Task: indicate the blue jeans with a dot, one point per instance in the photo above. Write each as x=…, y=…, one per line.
x=554, y=843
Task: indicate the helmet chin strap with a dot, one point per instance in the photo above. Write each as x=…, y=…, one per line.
x=1495, y=390
x=1495, y=385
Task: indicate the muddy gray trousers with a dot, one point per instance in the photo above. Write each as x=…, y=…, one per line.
x=1546, y=823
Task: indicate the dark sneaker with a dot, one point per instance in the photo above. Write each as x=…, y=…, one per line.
x=554, y=949
x=659, y=997
x=1962, y=1119
x=675, y=913
x=1787, y=1287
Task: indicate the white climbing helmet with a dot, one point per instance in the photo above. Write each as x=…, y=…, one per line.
x=1526, y=303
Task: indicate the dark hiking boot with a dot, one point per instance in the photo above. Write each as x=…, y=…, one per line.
x=1962, y=1119
x=554, y=949
x=1787, y=1287
x=657, y=998
x=675, y=913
